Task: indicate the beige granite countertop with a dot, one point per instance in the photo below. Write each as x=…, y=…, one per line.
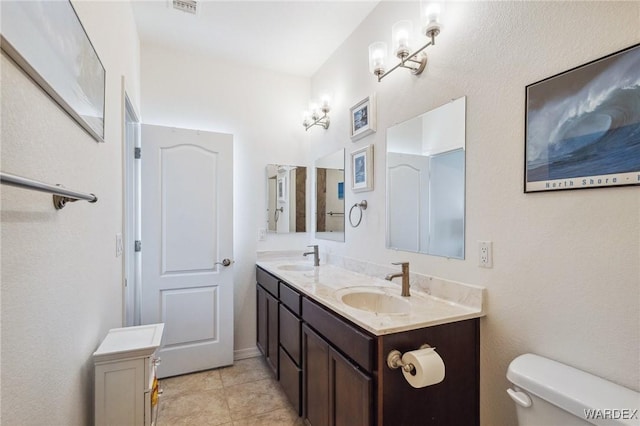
x=327, y=283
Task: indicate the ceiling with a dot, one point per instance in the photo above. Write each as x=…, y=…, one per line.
x=294, y=37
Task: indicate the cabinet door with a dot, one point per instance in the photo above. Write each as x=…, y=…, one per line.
x=262, y=320
x=272, y=333
x=290, y=375
x=315, y=378
x=120, y=392
x=351, y=393
x=267, y=327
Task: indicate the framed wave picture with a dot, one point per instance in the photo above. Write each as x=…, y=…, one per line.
x=363, y=118
x=47, y=40
x=582, y=126
x=362, y=169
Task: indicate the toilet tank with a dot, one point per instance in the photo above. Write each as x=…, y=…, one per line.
x=548, y=393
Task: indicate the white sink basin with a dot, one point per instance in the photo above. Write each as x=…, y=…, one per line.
x=375, y=300
x=296, y=267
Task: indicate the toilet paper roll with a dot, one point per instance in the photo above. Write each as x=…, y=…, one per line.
x=428, y=367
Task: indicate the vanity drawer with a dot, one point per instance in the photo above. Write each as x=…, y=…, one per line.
x=268, y=281
x=290, y=298
x=290, y=333
x=355, y=344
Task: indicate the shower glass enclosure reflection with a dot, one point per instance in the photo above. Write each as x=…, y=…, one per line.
x=330, y=197
x=286, y=198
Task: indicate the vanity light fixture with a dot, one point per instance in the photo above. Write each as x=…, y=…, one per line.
x=313, y=118
x=402, y=39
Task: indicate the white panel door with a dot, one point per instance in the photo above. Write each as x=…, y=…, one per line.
x=187, y=224
x=408, y=201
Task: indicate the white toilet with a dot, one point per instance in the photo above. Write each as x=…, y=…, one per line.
x=548, y=393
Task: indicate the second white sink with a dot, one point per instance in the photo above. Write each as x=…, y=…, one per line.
x=374, y=300
x=298, y=267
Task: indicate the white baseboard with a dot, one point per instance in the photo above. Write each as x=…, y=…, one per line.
x=246, y=353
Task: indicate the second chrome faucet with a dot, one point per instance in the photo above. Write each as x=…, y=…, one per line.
x=316, y=256
x=405, y=278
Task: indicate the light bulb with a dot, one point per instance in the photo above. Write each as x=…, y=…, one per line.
x=377, y=57
x=401, y=34
x=313, y=107
x=326, y=100
x=305, y=119
x=430, y=12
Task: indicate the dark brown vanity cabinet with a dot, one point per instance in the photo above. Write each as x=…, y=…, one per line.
x=335, y=373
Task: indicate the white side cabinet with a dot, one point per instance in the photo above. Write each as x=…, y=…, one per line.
x=126, y=390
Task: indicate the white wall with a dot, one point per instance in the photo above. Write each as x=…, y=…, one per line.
x=262, y=110
x=61, y=280
x=566, y=275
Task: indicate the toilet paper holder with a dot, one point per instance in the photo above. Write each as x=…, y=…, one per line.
x=394, y=360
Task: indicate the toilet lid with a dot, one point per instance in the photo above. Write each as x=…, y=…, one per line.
x=573, y=390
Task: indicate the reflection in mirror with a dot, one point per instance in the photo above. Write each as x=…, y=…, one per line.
x=286, y=198
x=426, y=182
x=330, y=197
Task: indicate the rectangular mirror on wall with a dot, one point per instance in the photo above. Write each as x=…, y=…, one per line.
x=286, y=199
x=426, y=182
x=330, y=197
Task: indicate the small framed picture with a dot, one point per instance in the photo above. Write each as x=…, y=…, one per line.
x=282, y=189
x=362, y=169
x=363, y=118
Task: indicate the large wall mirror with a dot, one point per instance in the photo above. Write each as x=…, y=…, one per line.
x=426, y=182
x=286, y=198
x=330, y=197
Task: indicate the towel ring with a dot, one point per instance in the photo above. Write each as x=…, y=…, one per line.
x=362, y=205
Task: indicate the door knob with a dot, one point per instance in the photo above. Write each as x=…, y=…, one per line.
x=225, y=262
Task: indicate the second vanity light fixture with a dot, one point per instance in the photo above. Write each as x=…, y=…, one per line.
x=313, y=117
x=402, y=32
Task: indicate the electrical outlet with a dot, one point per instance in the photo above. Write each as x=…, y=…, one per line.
x=485, y=254
x=118, y=245
x=262, y=234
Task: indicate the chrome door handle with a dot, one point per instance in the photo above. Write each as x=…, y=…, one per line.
x=225, y=262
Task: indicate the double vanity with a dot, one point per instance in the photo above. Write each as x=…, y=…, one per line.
x=326, y=333
x=337, y=339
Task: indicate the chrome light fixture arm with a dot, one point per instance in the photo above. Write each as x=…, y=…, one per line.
x=417, y=60
x=319, y=121
x=312, y=117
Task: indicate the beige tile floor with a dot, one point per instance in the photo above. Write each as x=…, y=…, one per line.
x=240, y=395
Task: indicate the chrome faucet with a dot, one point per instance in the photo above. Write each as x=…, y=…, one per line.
x=316, y=257
x=405, y=277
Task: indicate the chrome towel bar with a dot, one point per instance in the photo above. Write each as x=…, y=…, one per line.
x=60, y=195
